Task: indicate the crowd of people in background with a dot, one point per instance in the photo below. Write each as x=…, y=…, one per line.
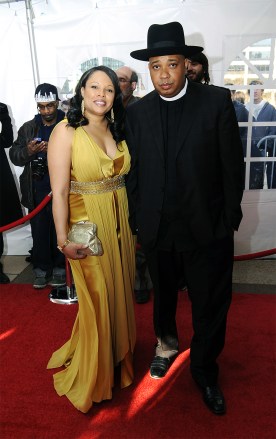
x=263, y=143
x=263, y=139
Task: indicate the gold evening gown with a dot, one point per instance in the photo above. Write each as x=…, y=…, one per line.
x=104, y=334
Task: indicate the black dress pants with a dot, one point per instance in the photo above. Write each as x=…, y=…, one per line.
x=45, y=254
x=208, y=272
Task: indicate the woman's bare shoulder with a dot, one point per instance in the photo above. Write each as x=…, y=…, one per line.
x=63, y=130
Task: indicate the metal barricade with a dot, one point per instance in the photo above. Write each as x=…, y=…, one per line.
x=66, y=295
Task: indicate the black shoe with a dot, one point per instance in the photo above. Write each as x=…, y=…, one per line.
x=159, y=367
x=214, y=399
x=142, y=296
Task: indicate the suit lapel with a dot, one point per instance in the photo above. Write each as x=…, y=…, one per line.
x=154, y=117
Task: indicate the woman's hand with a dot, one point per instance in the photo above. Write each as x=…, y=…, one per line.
x=76, y=251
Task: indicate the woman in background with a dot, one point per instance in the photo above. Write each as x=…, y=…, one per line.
x=87, y=159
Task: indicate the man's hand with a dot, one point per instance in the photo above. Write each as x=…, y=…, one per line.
x=34, y=147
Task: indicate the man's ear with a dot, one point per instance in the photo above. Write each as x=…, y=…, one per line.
x=133, y=85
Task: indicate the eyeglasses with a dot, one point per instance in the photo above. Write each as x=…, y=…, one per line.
x=123, y=80
x=49, y=106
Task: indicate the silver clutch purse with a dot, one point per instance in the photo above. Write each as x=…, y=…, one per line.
x=84, y=232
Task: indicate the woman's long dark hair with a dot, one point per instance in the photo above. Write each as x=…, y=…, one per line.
x=75, y=116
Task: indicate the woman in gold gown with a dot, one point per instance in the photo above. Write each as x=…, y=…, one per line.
x=87, y=159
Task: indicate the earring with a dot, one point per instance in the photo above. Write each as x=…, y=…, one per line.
x=82, y=107
x=112, y=115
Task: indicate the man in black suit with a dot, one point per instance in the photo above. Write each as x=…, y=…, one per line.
x=185, y=188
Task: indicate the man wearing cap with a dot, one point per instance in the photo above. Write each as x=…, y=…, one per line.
x=30, y=151
x=185, y=188
x=198, y=68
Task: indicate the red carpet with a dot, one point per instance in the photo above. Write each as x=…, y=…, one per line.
x=32, y=327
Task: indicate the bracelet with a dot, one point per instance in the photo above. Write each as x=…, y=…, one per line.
x=61, y=247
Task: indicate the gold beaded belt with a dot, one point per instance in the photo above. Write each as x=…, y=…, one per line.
x=97, y=187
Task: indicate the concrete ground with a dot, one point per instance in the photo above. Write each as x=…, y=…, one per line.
x=251, y=276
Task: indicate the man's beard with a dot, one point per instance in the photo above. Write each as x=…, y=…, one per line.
x=198, y=77
x=49, y=117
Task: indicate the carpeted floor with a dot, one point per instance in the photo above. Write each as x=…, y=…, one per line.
x=32, y=327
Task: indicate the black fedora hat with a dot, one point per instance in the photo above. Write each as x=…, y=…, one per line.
x=165, y=39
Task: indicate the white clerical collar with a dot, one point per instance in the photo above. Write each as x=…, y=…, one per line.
x=180, y=94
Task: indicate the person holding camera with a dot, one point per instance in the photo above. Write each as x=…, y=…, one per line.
x=30, y=150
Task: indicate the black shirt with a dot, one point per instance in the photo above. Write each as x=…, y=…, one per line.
x=174, y=231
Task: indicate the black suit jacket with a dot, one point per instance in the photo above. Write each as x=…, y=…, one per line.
x=10, y=207
x=209, y=165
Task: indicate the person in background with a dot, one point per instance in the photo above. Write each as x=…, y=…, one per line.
x=184, y=189
x=262, y=111
x=197, y=67
x=10, y=207
x=30, y=150
x=64, y=105
x=242, y=116
x=128, y=79
x=88, y=161
x=240, y=97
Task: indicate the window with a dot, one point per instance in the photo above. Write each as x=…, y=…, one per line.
x=236, y=68
x=251, y=76
x=109, y=62
x=262, y=67
x=259, y=55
